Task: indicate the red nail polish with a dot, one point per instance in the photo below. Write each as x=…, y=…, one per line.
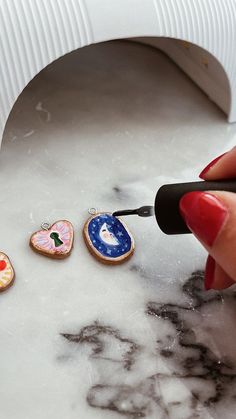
x=204, y=214
x=210, y=165
x=209, y=273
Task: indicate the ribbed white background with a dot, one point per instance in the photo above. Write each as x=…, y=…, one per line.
x=33, y=33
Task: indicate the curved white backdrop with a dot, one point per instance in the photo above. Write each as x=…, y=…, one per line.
x=33, y=33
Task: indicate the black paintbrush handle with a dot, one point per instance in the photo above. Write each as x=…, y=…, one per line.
x=167, y=200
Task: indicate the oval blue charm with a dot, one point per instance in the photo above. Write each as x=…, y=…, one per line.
x=108, y=239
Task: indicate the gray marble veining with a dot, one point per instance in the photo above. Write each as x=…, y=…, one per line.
x=105, y=127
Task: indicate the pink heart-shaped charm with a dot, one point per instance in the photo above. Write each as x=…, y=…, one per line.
x=55, y=242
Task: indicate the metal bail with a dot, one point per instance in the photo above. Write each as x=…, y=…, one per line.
x=93, y=211
x=45, y=226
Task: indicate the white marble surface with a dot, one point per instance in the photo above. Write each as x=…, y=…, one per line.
x=105, y=127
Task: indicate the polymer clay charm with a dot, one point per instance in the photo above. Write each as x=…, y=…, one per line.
x=7, y=274
x=108, y=239
x=54, y=241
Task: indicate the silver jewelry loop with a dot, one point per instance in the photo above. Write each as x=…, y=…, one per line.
x=93, y=211
x=45, y=226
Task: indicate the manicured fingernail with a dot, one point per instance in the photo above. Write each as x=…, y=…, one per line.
x=204, y=215
x=209, y=273
x=210, y=165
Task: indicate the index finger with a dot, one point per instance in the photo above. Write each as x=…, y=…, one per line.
x=222, y=167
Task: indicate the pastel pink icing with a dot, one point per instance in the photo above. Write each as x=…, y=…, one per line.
x=43, y=240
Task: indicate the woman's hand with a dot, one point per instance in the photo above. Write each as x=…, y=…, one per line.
x=211, y=216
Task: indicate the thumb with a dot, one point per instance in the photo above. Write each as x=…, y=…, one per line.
x=211, y=216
